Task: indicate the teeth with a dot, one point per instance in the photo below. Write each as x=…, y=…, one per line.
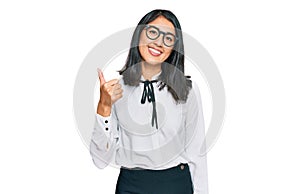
x=154, y=51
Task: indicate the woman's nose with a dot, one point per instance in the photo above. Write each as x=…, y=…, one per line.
x=159, y=40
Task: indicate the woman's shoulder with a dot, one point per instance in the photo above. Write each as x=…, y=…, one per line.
x=125, y=83
x=194, y=93
x=195, y=86
x=125, y=86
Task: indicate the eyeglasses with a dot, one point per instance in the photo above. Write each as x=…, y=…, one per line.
x=152, y=32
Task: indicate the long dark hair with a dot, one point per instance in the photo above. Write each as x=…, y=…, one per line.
x=172, y=74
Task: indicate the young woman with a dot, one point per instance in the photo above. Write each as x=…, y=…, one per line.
x=150, y=122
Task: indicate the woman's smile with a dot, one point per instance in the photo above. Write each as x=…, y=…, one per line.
x=154, y=52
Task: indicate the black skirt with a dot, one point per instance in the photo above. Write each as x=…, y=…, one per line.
x=175, y=180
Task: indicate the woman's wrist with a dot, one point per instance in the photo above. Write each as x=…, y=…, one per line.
x=103, y=110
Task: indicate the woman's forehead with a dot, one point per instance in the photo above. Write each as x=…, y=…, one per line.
x=163, y=24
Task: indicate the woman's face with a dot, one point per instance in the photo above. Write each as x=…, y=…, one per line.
x=155, y=51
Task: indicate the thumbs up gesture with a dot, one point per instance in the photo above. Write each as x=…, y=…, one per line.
x=110, y=92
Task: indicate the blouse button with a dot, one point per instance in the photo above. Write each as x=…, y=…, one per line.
x=182, y=167
x=106, y=128
x=106, y=121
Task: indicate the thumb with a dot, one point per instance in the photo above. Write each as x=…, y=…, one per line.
x=101, y=76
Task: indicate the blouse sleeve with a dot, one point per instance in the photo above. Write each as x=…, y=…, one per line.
x=195, y=141
x=105, y=139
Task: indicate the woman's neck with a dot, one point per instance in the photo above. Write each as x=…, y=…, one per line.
x=149, y=70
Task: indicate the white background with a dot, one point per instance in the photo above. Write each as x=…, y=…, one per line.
x=254, y=43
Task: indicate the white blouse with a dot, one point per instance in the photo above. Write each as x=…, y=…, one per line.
x=127, y=137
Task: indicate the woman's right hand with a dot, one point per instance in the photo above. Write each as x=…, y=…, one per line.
x=110, y=92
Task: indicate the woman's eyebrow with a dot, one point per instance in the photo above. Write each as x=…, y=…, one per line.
x=159, y=27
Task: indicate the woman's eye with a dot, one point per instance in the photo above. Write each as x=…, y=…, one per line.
x=169, y=39
x=153, y=32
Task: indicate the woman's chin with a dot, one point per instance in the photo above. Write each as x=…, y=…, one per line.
x=153, y=62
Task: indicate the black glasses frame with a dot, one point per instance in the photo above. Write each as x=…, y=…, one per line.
x=159, y=33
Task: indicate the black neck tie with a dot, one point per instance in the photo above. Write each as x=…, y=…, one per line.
x=148, y=93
